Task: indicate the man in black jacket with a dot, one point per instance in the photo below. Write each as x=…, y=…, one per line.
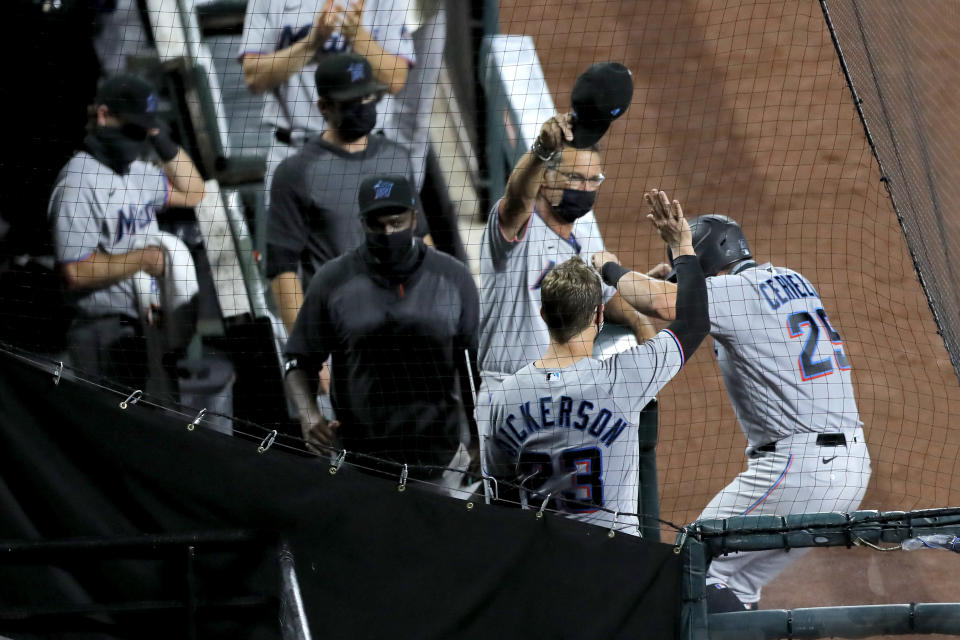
x=399, y=321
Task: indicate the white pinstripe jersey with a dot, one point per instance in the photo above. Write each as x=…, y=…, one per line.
x=572, y=432
x=512, y=333
x=782, y=361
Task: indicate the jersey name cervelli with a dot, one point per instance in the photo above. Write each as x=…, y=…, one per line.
x=783, y=362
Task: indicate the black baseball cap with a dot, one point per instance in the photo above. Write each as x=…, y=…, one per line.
x=381, y=193
x=345, y=76
x=131, y=99
x=601, y=94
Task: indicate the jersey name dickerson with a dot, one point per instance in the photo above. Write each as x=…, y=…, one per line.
x=600, y=423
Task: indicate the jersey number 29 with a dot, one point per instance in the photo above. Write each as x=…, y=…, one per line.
x=799, y=324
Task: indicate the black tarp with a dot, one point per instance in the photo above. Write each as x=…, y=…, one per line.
x=372, y=562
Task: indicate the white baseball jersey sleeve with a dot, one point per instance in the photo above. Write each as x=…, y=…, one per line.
x=782, y=361
x=572, y=432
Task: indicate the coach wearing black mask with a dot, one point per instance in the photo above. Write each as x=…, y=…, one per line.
x=103, y=214
x=398, y=321
x=313, y=214
x=545, y=218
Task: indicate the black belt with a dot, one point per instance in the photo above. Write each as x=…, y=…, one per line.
x=823, y=440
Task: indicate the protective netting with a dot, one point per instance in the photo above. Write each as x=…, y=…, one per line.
x=739, y=108
x=899, y=63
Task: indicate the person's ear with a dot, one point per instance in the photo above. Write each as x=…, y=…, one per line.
x=102, y=113
x=599, y=318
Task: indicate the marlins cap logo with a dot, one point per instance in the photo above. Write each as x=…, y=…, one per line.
x=382, y=189
x=151, y=103
x=616, y=112
x=356, y=71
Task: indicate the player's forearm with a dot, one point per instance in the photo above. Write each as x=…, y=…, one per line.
x=103, y=269
x=185, y=180
x=522, y=187
x=301, y=390
x=288, y=294
x=388, y=69
x=656, y=298
x=618, y=311
x=262, y=72
x=692, y=323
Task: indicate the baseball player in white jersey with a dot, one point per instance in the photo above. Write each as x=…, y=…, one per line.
x=103, y=212
x=279, y=48
x=545, y=218
x=788, y=378
x=563, y=428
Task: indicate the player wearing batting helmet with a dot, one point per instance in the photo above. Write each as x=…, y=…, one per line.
x=788, y=377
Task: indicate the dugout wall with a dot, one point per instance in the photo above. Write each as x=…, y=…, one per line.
x=371, y=561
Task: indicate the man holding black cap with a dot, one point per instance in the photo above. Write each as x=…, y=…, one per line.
x=103, y=212
x=545, y=218
x=399, y=321
x=313, y=210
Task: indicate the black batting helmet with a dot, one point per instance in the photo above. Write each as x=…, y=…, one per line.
x=719, y=242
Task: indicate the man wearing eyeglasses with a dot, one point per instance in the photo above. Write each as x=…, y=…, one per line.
x=545, y=218
x=314, y=215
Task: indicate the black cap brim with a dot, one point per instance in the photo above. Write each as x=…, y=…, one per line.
x=353, y=92
x=384, y=209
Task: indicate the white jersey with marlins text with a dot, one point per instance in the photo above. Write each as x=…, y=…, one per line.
x=572, y=432
x=93, y=208
x=782, y=361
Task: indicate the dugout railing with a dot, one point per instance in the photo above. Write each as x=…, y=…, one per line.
x=190, y=601
x=883, y=531
x=241, y=326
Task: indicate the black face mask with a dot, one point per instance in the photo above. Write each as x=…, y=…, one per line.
x=357, y=119
x=116, y=149
x=574, y=204
x=390, y=249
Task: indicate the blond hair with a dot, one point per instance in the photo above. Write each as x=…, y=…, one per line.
x=569, y=296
